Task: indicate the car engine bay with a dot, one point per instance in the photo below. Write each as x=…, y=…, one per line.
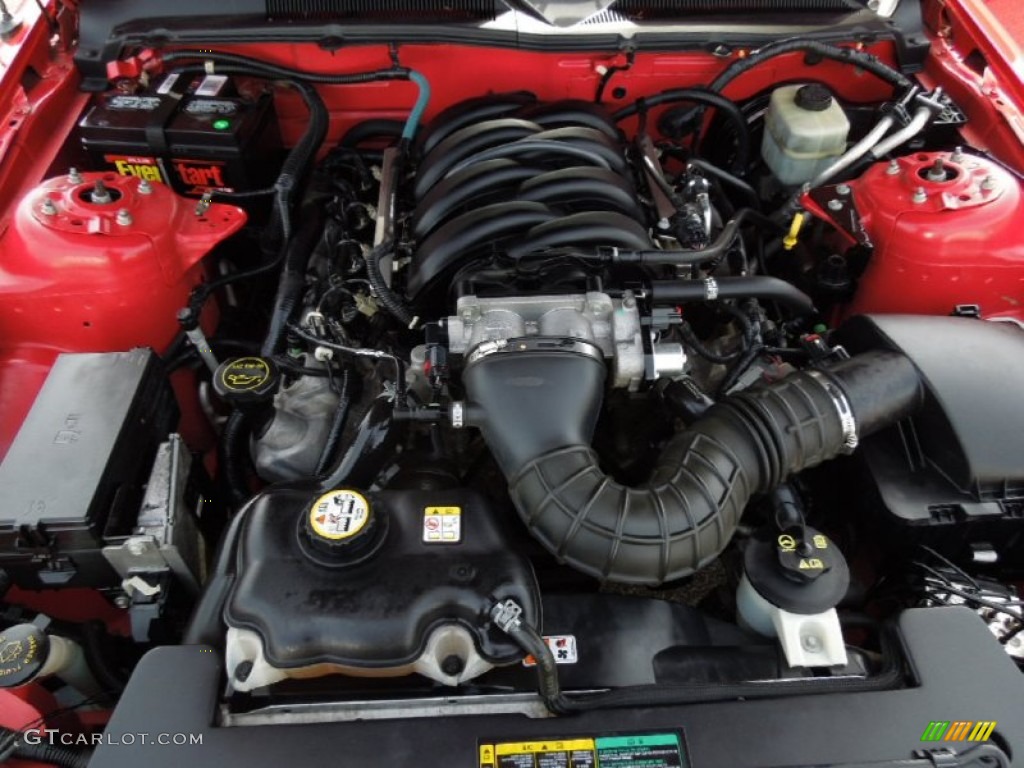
x=412, y=380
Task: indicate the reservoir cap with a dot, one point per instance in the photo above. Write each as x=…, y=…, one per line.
x=341, y=528
x=814, y=98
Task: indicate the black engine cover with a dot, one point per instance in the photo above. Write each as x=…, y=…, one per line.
x=377, y=608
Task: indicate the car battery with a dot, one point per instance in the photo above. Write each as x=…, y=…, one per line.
x=199, y=135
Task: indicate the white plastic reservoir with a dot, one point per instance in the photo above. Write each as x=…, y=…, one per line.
x=805, y=130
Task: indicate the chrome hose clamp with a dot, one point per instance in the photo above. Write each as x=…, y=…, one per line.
x=847, y=421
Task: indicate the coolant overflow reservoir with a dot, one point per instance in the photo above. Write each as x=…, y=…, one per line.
x=805, y=130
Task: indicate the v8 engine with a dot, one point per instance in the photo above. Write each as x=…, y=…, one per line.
x=396, y=390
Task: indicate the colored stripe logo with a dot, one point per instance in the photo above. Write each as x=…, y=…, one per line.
x=959, y=730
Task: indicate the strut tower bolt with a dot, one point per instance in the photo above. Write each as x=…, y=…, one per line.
x=988, y=184
x=920, y=196
x=48, y=208
x=124, y=217
x=100, y=194
x=843, y=189
x=938, y=171
x=145, y=188
x=835, y=205
x=74, y=176
x=894, y=168
x=958, y=155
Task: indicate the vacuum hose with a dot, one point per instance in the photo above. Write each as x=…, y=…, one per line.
x=537, y=405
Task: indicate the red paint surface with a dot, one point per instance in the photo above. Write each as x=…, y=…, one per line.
x=962, y=245
x=79, y=279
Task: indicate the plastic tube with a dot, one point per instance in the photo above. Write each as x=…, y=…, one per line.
x=419, y=108
x=685, y=515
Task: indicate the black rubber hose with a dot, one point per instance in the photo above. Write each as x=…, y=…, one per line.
x=686, y=514
x=385, y=296
x=293, y=278
x=235, y=455
x=722, y=243
x=710, y=169
x=371, y=130
x=286, y=73
x=671, y=293
x=373, y=445
x=53, y=754
x=337, y=425
x=532, y=643
x=865, y=61
x=707, y=98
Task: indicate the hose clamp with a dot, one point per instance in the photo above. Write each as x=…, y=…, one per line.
x=458, y=414
x=507, y=616
x=534, y=344
x=847, y=421
x=710, y=289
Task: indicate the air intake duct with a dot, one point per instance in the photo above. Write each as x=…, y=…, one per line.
x=537, y=402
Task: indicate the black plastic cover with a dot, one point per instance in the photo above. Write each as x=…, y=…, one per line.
x=74, y=477
x=179, y=686
x=952, y=475
x=379, y=613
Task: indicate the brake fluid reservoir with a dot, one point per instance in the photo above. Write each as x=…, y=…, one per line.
x=805, y=130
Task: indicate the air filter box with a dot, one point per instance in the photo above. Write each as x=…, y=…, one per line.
x=74, y=477
x=951, y=477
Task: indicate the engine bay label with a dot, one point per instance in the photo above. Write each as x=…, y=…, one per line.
x=339, y=514
x=563, y=648
x=654, y=750
x=442, y=525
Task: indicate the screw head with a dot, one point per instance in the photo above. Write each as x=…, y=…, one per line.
x=920, y=196
x=48, y=208
x=74, y=176
x=958, y=155
x=145, y=188
x=835, y=205
x=122, y=601
x=894, y=168
x=811, y=643
x=124, y=217
x=843, y=189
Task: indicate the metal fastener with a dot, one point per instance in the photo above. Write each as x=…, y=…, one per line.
x=988, y=184
x=835, y=205
x=894, y=168
x=48, y=208
x=958, y=155
x=74, y=176
x=920, y=196
x=843, y=189
x=811, y=643
x=145, y=188
x=124, y=217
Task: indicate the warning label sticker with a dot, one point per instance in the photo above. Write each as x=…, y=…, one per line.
x=339, y=514
x=563, y=648
x=656, y=750
x=442, y=525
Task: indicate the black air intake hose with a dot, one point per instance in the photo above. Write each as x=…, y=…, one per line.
x=537, y=410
